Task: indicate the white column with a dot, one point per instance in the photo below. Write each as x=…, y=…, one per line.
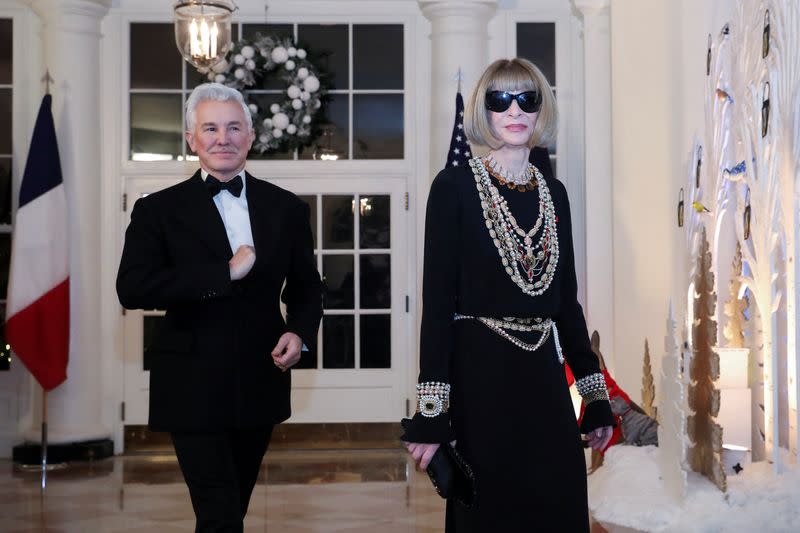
x=71, y=38
x=599, y=184
x=459, y=39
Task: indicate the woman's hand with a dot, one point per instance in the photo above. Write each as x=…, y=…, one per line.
x=421, y=453
x=600, y=437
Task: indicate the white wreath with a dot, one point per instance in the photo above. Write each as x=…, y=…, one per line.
x=286, y=125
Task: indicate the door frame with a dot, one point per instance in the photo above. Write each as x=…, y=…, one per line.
x=318, y=395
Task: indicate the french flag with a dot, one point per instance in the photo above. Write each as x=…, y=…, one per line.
x=37, y=324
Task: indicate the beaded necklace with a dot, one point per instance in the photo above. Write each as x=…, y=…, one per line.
x=519, y=178
x=530, y=264
x=522, y=187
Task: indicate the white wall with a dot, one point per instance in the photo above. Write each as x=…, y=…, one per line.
x=644, y=118
x=658, y=52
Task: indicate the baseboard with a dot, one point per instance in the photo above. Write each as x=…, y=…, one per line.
x=347, y=436
x=30, y=453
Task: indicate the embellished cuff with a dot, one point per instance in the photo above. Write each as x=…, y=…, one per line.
x=431, y=423
x=592, y=388
x=433, y=398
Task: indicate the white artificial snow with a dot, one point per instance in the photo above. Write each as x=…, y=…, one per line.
x=628, y=491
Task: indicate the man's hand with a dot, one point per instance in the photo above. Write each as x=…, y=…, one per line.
x=242, y=261
x=422, y=453
x=286, y=353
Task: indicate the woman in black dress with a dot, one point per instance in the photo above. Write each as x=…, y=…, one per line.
x=499, y=293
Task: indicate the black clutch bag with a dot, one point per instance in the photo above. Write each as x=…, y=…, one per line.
x=451, y=476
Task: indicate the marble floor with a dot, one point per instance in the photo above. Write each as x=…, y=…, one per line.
x=354, y=491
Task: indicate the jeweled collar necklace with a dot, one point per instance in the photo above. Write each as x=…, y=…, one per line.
x=529, y=258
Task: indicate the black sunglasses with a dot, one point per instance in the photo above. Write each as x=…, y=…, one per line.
x=499, y=101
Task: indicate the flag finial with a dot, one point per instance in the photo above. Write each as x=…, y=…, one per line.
x=459, y=77
x=47, y=79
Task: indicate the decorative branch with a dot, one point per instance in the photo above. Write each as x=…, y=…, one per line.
x=648, y=386
x=704, y=398
x=736, y=307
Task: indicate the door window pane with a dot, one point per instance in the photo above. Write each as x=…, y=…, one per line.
x=156, y=126
x=536, y=41
x=334, y=123
x=378, y=126
x=376, y=287
x=263, y=101
x=5, y=192
x=337, y=275
x=155, y=60
x=378, y=119
x=6, y=52
x=250, y=31
x=5, y=121
x=376, y=341
x=377, y=56
x=150, y=327
x=338, y=347
x=374, y=224
x=327, y=47
x=194, y=78
x=337, y=222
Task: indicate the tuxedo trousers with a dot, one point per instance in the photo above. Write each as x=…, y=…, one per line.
x=221, y=468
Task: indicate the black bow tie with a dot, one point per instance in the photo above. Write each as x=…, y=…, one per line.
x=233, y=186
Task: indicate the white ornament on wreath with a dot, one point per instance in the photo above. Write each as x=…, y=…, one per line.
x=288, y=124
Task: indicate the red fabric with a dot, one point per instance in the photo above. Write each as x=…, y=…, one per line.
x=614, y=391
x=570, y=376
x=39, y=335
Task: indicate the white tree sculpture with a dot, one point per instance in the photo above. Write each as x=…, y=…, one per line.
x=750, y=171
x=672, y=410
x=767, y=124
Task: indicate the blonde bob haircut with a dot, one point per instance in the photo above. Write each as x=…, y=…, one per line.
x=510, y=75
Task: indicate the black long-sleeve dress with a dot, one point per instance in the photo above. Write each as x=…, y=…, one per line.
x=509, y=409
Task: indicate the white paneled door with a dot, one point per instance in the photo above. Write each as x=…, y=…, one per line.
x=358, y=372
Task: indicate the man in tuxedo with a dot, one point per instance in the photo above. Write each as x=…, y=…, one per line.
x=219, y=252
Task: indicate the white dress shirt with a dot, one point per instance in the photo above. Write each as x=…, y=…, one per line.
x=236, y=217
x=234, y=214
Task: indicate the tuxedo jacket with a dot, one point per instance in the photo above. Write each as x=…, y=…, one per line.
x=211, y=366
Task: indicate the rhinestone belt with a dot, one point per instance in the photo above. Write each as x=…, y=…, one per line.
x=502, y=326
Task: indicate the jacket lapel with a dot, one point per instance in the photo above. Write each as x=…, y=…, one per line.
x=263, y=216
x=204, y=216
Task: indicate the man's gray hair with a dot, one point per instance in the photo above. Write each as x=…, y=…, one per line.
x=218, y=93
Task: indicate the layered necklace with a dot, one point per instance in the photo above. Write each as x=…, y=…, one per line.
x=529, y=257
x=522, y=181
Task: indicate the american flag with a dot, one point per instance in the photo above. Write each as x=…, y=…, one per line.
x=460, y=152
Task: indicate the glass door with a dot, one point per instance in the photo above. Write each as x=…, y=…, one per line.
x=357, y=373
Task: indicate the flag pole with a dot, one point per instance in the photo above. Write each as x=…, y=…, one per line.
x=47, y=79
x=44, y=439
